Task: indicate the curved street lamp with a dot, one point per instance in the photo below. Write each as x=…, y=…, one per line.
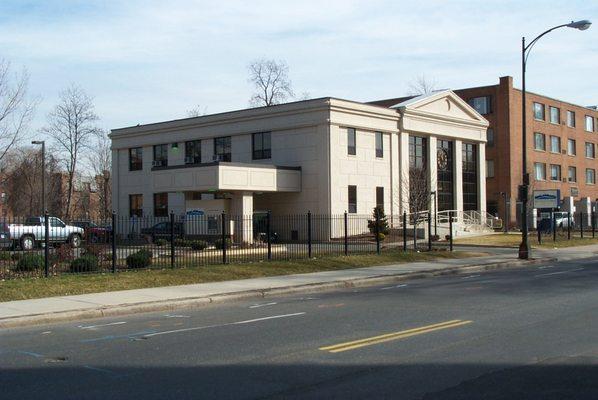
x=524, y=248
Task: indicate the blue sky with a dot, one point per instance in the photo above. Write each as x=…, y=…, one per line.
x=147, y=61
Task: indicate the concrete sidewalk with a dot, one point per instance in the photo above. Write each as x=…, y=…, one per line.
x=37, y=311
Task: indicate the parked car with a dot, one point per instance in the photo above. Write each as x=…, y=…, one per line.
x=562, y=221
x=5, y=240
x=94, y=233
x=33, y=232
x=163, y=230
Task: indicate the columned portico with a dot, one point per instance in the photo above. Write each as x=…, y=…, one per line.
x=242, y=212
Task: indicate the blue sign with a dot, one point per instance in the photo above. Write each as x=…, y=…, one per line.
x=547, y=198
x=195, y=213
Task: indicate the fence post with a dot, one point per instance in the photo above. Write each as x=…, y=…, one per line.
x=568, y=225
x=269, y=233
x=593, y=224
x=581, y=224
x=429, y=231
x=171, y=239
x=113, y=242
x=346, y=233
x=404, y=230
x=46, y=243
x=223, y=222
x=553, y=226
x=309, y=234
x=450, y=230
x=377, y=230
x=539, y=234
x=415, y=233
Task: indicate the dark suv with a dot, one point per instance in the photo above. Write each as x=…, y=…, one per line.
x=162, y=230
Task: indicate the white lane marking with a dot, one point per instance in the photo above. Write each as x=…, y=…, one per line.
x=176, y=316
x=546, y=266
x=559, y=272
x=101, y=325
x=393, y=287
x=46, y=333
x=97, y=369
x=487, y=281
x=470, y=276
x=262, y=305
x=248, y=321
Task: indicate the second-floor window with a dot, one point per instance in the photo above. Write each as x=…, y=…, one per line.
x=555, y=115
x=539, y=141
x=571, y=148
x=589, y=123
x=351, y=141
x=193, y=152
x=379, y=145
x=222, y=149
x=539, y=111
x=555, y=144
x=352, y=192
x=136, y=159
x=160, y=155
x=571, y=119
x=490, y=137
x=262, y=147
x=540, y=171
x=572, y=174
x=555, y=172
x=590, y=176
x=482, y=105
x=590, y=150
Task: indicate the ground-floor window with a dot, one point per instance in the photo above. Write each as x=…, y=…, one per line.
x=470, y=177
x=160, y=204
x=136, y=205
x=380, y=197
x=445, y=181
x=352, y=199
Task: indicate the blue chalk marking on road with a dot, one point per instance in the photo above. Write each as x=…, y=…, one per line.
x=30, y=353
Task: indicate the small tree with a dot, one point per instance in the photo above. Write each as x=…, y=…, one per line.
x=382, y=222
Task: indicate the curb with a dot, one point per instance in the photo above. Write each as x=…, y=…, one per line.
x=171, y=305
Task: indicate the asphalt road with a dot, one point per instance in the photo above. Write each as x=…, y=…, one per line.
x=529, y=333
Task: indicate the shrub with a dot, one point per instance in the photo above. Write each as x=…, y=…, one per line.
x=93, y=250
x=30, y=262
x=64, y=253
x=5, y=256
x=180, y=242
x=381, y=236
x=140, y=259
x=86, y=263
x=382, y=222
x=16, y=256
x=218, y=243
x=198, y=245
x=161, y=242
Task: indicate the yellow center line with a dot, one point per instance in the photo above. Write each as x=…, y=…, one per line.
x=337, y=348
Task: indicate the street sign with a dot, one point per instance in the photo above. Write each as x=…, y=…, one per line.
x=547, y=198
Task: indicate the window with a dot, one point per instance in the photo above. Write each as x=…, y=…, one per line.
x=540, y=171
x=590, y=150
x=417, y=152
x=570, y=119
x=445, y=181
x=590, y=176
x=160, y=155
x=351, y=140
x=589, y=123
x=222, y=149
x=572, y=172
x=482, y=105
x=380, y=197
x=539, y=141
x=136, y=205
x=571, y=148
x=470, y=176
x=490, y=137
x=555, y=172
x=555, y=115
x=555, y=144
x=352, y=199
x=193, y=152
x=379, y=145
x=136, y=159
x=539, y=111
x=489, y=168
x=160, y=204
x=262, y=148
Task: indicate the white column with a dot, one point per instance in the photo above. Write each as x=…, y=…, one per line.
x=403, y=189
x=482, y=178
x=458, y=175
x=242, y=214
x=395, y=184
x=432, y=168
x=115, y=178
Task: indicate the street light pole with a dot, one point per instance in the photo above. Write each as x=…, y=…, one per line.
x=524, y=248
x=43, y=143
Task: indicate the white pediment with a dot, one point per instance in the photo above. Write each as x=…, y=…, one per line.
x=444, y=104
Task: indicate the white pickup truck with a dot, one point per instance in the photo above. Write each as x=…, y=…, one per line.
x=33, y=232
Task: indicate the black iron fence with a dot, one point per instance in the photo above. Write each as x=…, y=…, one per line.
x=46, y=246
x=559, y=226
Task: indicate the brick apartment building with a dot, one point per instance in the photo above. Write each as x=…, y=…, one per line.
x=562, y=140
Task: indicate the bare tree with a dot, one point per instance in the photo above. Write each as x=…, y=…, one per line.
x=419, y=190
x=197, y=111
x=72, y=127
x=271, y=81
x=16, y=110
x=101, y=165
x=421, y=85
